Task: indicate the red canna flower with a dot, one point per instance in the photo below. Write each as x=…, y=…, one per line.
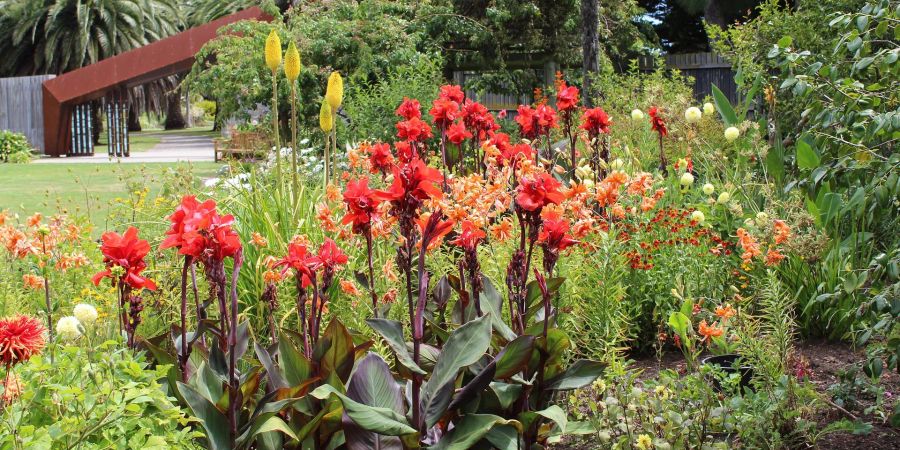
x=189, y=216
x=469, y=236
x=361, y=205
x=330, y=256
x=478, y=119
x=444, y=112
x=452, y=92
x=567, y=97
x=656, y=121
x=527, y=120
x=538, y=192
x=457, y=133
x=412, y=181
x=303, y=262
x=554, y=234
x=410, y=108
x=595, y=121
x=21, y=337
x=126, y=252
x=405, y=151
x=380, y=158
x=414, y=129
x=433, y=228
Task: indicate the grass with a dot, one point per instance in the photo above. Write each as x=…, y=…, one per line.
x=82, y=189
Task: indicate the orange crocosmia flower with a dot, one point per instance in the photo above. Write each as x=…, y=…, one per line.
x=33, y=281
x=258, y=240
x=725, y=312
x=709, y=331
x=348, y=287
x=773, y=257
x=647, y=203
x=301, y=239
x=782, y=231
x=618, y=211
x=502, y=230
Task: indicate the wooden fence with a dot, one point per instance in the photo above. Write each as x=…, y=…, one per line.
x=21, y=107
x=705, y=68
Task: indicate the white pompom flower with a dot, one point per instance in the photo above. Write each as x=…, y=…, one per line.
x=68, y=328
x=637, y=114
x=708, y=108
x=693, y=114
x=698, y=216
x=687, y=179
x=732, y=133
x=85, y=313
x=708, y=189
x=723, y=198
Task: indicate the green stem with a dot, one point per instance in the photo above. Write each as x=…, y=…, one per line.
x=295, y=193
x=275, y=127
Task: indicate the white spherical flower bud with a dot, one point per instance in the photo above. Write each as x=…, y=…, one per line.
x=698, y=216
x=687, y=179
x=708, y=108
x=762, y=217
x=617, y=164
x=708, y=188
x=732, y=133
x=637, y=115
x=85, y=313
x=723, y=198
x=68, y=328
x=692, y=114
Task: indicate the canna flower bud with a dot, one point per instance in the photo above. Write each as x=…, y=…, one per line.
x=326, y=122
x=292, y=63
x=273, y=51
x=335, y=92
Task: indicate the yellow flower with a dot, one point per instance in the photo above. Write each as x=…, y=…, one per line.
x=325, y=120
x=292, y=63
x=335, y=92
x=273, y=51
x=644, y=442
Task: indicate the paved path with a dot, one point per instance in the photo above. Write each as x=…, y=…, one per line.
x=172, y=148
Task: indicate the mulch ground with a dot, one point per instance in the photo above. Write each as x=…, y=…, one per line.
x=826, y=361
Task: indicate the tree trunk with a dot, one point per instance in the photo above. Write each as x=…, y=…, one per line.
x=713, y=13
x=174, y=114
x=217, y=119
x=96, y=122
x=590, y=40
x=134, y=119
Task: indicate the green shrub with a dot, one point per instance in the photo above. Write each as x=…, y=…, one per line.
x=14, y=147
x=93, y=397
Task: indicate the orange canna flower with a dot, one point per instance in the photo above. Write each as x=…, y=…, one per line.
x=258, y=240
x=618, y=211
x=33, y=281
x=709, y=331
x=389, y=272
x=389, y=297
x=301, y=239
x=782, y=231
x=333, y=193
x=773, y=257
x=502, y=230
x=725, y=312
x=35, y=220
x=748, y=244
x=348, y=287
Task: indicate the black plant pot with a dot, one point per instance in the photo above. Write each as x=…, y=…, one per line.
x=729, y=365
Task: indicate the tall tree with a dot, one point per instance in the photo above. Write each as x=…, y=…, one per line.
x=590, y=40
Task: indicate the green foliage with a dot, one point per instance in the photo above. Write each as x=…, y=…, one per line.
x=93, y=397
x=14, y=147
x=55, y=36
x=371, y=106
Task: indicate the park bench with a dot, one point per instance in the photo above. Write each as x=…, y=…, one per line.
x=241, y=145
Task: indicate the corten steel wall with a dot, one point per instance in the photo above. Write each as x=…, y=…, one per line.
x=163, y=58
x=20, y=107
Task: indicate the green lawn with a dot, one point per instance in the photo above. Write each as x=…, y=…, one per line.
x=80, y=189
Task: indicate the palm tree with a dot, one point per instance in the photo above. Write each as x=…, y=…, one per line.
x=56, y=36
